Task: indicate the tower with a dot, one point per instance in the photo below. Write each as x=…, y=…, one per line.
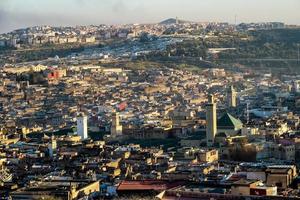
x=82, y=128
x=116, y=128
x=247, y=112
x=211, y=121
x=231, y=97
x=296, y=86
x=52, y=147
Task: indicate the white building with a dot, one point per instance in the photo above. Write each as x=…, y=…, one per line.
x=82, y=127
x=116, y=127
x=231, y=97
x=52, y=146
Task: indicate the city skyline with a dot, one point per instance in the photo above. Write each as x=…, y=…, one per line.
x=16, y=14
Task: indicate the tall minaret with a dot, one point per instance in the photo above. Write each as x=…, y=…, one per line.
x=231, y=96
x=211, y=121
x=52, y=147
x=116, y=128
x=82, y=126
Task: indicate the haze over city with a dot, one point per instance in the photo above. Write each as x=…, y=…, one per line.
x=149, y=99
x=16, y=14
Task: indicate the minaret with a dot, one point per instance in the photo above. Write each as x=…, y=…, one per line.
x=116, y=128
x=231, y=96
x=211, y=121
x=52, y=147
x=82, y=127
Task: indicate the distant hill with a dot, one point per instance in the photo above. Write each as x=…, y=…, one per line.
x=173, y=21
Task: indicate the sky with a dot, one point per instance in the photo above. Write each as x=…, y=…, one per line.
x=16, y=14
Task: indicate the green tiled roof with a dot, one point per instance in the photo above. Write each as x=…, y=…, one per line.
x=228, y=121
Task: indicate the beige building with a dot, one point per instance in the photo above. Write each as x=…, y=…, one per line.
x=75, y=193
x=208, y=156
x=281, y=175
x=72, y=39
x=277, y=127
x=156, y=88
x=242, y=187
x=247, y=187
x=56, y=189
x=285, y=152
x=247, y=131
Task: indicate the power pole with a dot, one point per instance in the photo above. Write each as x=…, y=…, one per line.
x=298, y=45
x=235, y=19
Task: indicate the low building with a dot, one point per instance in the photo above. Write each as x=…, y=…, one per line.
x=281, y=175
x=242, y=187
x=68, y=190
x=208, y=155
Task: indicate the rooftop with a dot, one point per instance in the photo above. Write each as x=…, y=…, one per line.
x=228, y=121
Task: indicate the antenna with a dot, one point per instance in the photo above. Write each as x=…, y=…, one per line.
x=235, y=20
x=298, y=53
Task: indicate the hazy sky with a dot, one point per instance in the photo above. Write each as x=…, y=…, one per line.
x=23, y=13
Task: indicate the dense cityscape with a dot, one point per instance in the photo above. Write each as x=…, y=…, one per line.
x=170, y=110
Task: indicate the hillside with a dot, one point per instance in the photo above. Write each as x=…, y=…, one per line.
x=173, y=21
